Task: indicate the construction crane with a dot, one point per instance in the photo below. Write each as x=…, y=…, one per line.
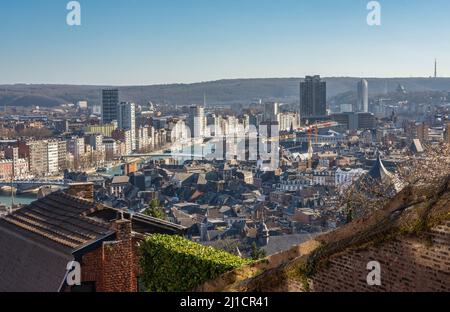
x=316, y=127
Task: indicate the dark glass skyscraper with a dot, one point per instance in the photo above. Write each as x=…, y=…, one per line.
x=313, y=97
x=110, y=101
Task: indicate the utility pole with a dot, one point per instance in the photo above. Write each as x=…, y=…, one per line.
x=317, y=133
x=12, y=196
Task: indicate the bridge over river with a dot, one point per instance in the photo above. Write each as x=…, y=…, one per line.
x=35, y=183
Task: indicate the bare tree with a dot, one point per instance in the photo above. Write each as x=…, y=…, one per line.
x=364, y=197
x=427, y=171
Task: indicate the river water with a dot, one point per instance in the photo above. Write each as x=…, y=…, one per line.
x=25, y=199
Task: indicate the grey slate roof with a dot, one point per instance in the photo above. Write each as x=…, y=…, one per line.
x=38, y=241
x=60, y=218
x=29, y=265
x=120, y=180
x=379, y=171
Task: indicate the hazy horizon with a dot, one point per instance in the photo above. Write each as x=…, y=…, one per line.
x=211, y=81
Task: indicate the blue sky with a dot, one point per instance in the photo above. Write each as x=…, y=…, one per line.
x=140, y=42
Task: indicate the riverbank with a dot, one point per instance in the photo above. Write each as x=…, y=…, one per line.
x=8, y=189
x=23, y=199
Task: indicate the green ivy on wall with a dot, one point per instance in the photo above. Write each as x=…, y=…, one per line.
x=175, y=264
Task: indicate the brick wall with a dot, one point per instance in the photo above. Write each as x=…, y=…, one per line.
x=114, y=266
x=407, y=264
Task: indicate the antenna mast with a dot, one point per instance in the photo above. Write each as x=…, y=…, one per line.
x=435, y=68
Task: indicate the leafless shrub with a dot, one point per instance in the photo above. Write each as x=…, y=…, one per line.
x=424, y=172
x=427, y=170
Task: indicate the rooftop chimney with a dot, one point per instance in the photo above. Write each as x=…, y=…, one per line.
x=84, y=190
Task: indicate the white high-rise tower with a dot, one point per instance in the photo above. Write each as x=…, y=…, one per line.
x=197, y=121
x=362, y=104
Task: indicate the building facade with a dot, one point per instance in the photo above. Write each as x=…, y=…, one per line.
x=127, y=120
x=362, y=104
x=197, y=121
x=313, y=97
x=110, y=101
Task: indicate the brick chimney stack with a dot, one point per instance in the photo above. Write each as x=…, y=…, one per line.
x=84, y=190
x=123, y=229
x=118, y=258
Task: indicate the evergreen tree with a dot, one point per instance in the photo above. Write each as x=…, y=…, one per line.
x=257, y=253
x=155, y=210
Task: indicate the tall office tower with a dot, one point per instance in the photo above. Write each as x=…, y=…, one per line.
x=270, y=111
x=362, y=104
x=197, y=121
x=313, y=97
x=127, y=120
x=110, y=101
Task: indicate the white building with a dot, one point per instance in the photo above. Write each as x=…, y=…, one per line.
x=178, y=130
x=324, y=178
x=215, y=127
x=294, y=181
x=143, y=140
x=83, y=105
x=52, y=158
x=118, y=186
x=197, y=121
x=288, y=121
x=345, y=177
x=363, y=96
x=77, y=147
x=129, y=142
x=45, y=158
x=127, y=120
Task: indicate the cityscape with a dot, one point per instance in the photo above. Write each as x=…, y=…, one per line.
x=318, y=183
